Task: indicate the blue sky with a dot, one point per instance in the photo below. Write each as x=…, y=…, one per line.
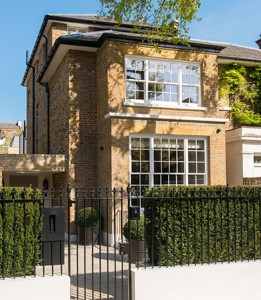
x=235, y=21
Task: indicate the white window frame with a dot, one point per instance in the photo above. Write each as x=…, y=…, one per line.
x=186, y=161
x=76, y=30
x=256, y=154
x=146, y=100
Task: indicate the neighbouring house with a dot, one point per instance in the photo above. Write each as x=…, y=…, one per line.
x=121, y=112
x=20, y=169
x=9, y=132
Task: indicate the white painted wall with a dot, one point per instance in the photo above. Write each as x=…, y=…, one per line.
x=241, y=144
x=40, y=288
x=234, y=281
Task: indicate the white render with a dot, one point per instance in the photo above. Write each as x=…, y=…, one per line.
x=40, y=288
x=241, y=145
x=234, y=281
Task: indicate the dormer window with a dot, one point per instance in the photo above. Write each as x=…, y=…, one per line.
x=75, y=30
x=164, y=82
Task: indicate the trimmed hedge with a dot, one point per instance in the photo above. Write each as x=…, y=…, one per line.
x=203, y=225
x=20, y=228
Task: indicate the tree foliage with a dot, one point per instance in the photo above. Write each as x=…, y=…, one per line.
x=161, y=14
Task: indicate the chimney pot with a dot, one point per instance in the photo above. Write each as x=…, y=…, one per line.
x=259, y=42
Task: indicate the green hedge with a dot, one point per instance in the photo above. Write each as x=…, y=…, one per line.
x=20, y=227
x=203, y=225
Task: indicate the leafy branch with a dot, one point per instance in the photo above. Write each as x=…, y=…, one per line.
x=162, y=20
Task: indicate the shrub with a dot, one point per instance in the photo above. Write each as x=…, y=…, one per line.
x=20, y=228
x=88, y=217
x=203, y=225
x=136, y=229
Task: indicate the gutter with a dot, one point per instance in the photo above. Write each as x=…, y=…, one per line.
x=240, y=59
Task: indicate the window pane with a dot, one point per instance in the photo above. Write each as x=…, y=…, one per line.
x=181, y=167
x=174, y=98
x=174, y=89
x=135, y=143
x=145, y=155
x=165, y=143
x=201, y=168
x=135, y=167
x=201, y=156
x=192, y=144
x=172, y=144
x=186, y=98
x=192, y=156
x=180, y=155
x=200, y=145
x=172, y=179
x=156, y=179
x=180, y=179
x=173, y=167
x=180, y=144
x=135, y=154
x=157, y=155
x=173, y=156
x=200, y=179
x=157, y=143
x=130, y=95
x=157, y=167
x=191, y=179
x=164, y=179
x=165, y=155
x=145, y=143
x=167, y=77
x=165, y=167
x=151, y=96
x=192, y=167
x=135, y=179
x=144, y=179
x=145, y=167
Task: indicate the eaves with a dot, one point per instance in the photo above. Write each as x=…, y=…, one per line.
x=63, y=44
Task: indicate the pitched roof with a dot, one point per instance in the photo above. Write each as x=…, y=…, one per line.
x=227, y=50
x=233, y=51
x=8, y=126
x=88, y=18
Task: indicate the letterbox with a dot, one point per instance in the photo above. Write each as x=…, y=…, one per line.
x=52, y=236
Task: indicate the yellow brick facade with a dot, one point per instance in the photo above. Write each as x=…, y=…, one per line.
x=87, y=86
x=114, y=158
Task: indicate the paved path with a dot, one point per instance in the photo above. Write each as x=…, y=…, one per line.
x=102, y=273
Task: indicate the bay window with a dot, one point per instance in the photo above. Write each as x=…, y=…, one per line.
x=154, y=81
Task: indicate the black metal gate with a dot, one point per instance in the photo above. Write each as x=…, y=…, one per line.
x=95, y=253
x=95, y=221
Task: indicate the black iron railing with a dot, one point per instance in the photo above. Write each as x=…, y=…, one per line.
x=106, y=236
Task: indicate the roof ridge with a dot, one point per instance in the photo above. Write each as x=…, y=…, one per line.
x=225, y=43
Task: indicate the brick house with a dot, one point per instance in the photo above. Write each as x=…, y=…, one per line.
x=122, y=112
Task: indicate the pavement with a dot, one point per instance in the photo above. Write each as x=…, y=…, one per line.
x=97, y=272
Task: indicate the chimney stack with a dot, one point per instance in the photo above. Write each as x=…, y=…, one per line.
x=259, y=42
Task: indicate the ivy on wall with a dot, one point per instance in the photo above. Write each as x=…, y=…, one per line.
x=242, y=88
